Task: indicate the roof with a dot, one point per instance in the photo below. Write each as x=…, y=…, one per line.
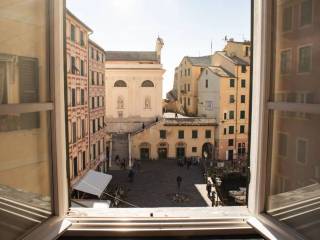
x=131, y=56
x=96, y=45
x=200, y=61
x=236, y=60
x=93, y=182
x=220, y=71
x=78, y=20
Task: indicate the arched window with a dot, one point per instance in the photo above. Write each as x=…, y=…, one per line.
x=147, y=103
x=147, y=83
x=120, y=83
x=120, y=103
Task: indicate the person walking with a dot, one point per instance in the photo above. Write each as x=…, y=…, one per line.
x=213, y=199
x=209, y=188
x=131, y=175
x=179, y=180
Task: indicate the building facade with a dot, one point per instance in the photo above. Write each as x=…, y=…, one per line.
x=224, y=94
x=99, y=140
x=77, y=46
x=174, y=138
x=233, y=102
x=134, y=81
x=186, y=83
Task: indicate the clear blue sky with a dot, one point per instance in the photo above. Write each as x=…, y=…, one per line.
x=186, y=26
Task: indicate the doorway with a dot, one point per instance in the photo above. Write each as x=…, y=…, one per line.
x=144, y=154
x=162, y=153
x=180, y=152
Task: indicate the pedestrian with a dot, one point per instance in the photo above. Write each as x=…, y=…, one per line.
x=131, y=175
x=176, y=115
x=179, y=180
x=123, y=164
x=213, y=199
x=143, y=125
x=209, y=186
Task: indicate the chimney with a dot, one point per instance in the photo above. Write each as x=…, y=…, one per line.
x=159, y=45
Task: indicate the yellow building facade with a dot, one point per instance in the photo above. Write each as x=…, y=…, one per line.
x=174, y=138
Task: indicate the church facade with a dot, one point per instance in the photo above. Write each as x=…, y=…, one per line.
x=133, y=88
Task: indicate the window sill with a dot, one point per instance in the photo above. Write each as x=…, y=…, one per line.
x=272, y=229
x=164, y=222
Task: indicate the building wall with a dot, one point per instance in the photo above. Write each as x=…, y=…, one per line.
x=132, y=105
x=151, y=137
x=184, y=79
x=237, y=107
x=98, y=139
x=79, y=112
x=210, y=94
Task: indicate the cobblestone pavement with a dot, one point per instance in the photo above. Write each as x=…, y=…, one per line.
x=155, y=184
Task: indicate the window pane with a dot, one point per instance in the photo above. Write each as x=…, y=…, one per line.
x=296, y=54
x=294, y=185
x=25, y=159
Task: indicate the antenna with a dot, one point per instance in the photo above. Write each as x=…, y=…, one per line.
x=211, y=47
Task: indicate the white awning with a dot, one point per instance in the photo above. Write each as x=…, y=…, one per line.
x=93, y=182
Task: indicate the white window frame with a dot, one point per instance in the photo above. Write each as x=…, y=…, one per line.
x=177, y=221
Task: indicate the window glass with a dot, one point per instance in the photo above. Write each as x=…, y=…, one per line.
x=294, y=129
x=232, y=83
x=181, y=134
x=287, y=19
x=25, y=135
x=306, y=12
x=194, y=134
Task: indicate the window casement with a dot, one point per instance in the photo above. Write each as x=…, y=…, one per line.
x=208, y=133
x=230, y=142
x=231, y=99
x=181, y=134
x=304, y=59
x=243, y=99
x=287, y=19
x=306, y=12
x=207, y=83
x=73, y=33
x=163, y=134
x=231, y=114
x=242, y=114
x=243, y=83
x=232, y=83
x=302, y=151
x=231, y=130
x=274, y=179
x=243, y=68
x=194, y=133
x=285, y=61
x=242, y=128
x=82, y=39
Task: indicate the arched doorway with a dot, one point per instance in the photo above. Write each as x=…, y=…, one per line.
x=180, y=150
x=163, y=151
x=144, y=151
x=208, y=151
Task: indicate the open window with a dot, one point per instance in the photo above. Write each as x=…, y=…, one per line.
x=285, y=130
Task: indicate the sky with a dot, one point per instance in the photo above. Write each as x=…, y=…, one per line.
x=187, y=27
